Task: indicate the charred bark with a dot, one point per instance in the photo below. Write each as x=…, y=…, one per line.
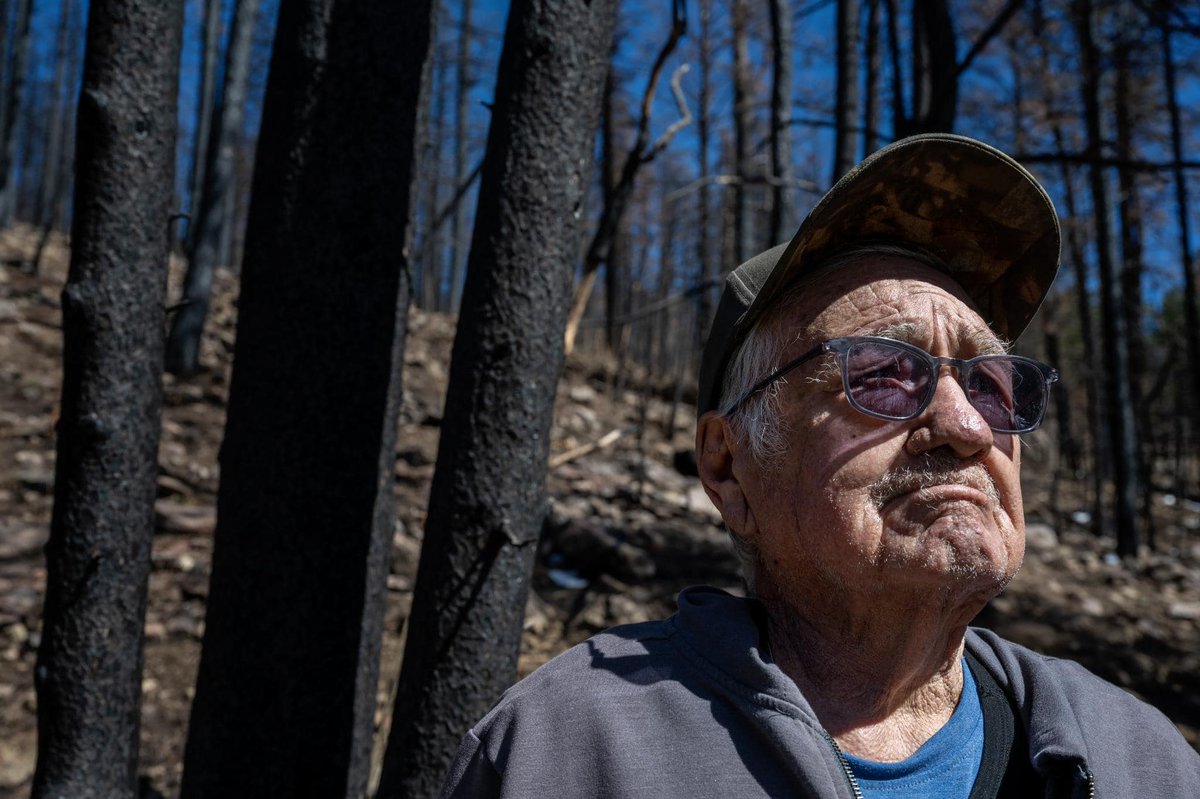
x=285, y=696
x=89, y=672
x=488, y=500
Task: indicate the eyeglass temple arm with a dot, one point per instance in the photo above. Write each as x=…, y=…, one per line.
x=778, y=373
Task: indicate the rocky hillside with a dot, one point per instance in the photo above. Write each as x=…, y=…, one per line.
x=627, y=528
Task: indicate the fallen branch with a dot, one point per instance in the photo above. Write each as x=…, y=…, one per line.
x=606, y=440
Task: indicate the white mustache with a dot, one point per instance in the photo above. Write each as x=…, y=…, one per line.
x=932, y=470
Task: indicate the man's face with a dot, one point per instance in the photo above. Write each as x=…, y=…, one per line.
x=860, y=510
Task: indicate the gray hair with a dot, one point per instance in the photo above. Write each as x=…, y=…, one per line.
x=758, y=423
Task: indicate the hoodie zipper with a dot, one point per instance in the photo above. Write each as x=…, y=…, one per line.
x=846, y=766
x=1088, y=780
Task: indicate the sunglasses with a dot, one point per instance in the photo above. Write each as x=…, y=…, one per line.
x=888, y=379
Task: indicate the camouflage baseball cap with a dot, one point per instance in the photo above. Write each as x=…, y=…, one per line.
x=969, y=204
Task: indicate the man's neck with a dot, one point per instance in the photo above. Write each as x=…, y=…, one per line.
x=881, y=686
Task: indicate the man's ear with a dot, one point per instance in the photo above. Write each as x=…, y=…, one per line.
x=716, y=452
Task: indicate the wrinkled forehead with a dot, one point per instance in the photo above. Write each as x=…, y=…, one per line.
x=888, y=295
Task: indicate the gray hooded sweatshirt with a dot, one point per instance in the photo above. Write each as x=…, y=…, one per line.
x=692, y=707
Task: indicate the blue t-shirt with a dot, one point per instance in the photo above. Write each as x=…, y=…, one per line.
x=943, y=768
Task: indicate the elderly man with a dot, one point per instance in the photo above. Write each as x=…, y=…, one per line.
x=859, y=434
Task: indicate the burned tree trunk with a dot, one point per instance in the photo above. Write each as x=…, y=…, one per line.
x=13, y=106
x=1191, y=314
x=488, y=500
x=285, y=696
x=210, y=49
x=846, y=119
x=781, y=129
x=1121, y=418
x=89, y=672
x=742, y=123
x=208, y=230
x=706, y=265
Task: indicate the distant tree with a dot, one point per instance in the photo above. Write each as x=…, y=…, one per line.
x=1191, y=313
x=846, y=112
x=432, y=249
x=11, y=109
x=743, y=124
x=58, y=101
x=935, y=67
x=1128, y=109
x=642, y=152
x=873, y=59
x=89, y=671
x=209, y=228
x=206, y=98
x=1122, y=424
x=706, y=266
x=462, y=89
x=285, y=696
x=616, y=260
x=487, y=502
x=781, y=127
x=55, y=177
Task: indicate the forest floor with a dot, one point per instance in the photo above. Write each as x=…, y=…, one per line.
x=627, y=530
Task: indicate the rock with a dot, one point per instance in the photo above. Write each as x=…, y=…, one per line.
x=1184, y=610
x=1091, y=606
x=17, y=759
x=169, y=485
x=583, y=394
x=698, y=502
x=21, y=600
x=175, y=517
x=185, y=625
x=1040, y=537
x=591, y=548
x=40, y=480
x=696, y=552
x=19, y=541
x=18, y=633
x=8, y=311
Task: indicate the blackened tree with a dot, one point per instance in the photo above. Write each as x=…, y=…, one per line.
x=89, y=672
x=488, y=500
x=285, y=696
x=208, y=230
x=15, y=91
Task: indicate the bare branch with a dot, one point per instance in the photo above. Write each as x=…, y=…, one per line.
x=685, y=115
x=606, y=440
x=990, y=33
x=735, y=180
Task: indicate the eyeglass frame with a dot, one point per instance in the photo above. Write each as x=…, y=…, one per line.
x=840, y=346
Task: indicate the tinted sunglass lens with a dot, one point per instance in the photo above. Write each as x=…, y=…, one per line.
x=1029, y=397
x=886, y=381
x=1010, y=393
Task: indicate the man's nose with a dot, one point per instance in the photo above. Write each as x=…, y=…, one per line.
x=951, y=420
